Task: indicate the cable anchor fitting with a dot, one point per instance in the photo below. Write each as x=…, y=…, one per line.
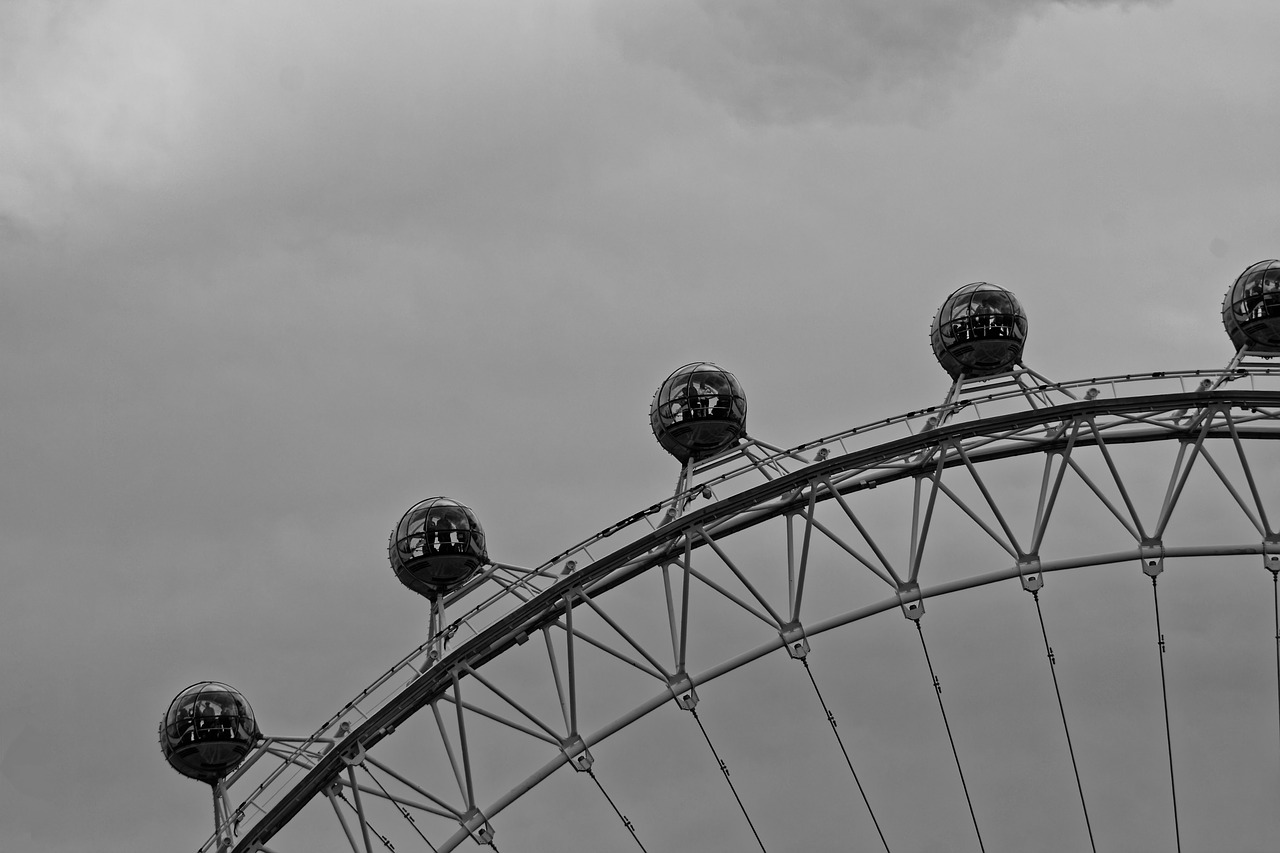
x=793, y=637
x=575, y=749
x=911, y=600
x=1152, y=554
x=478, y=826
x=1271, y=554
x=1030, y=574
x=681, y=687
x=354, y=756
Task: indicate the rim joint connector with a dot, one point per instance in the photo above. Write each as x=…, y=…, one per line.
x=793, y=637
x=575, y=749
x=1030, y=573
x=353, y=756
x=1271, y=554
x=478, y=826
x=1151, y=552
x=911, y=600
x=681, y=687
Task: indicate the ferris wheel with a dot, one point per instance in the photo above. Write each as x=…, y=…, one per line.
x=1090, y=568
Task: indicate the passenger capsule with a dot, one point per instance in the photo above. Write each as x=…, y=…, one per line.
x=699, y=411
x=437, y=547
x=1251, y=308
x=208, y=730
x=980, y=330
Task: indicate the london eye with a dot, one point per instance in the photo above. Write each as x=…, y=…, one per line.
x=828, y=644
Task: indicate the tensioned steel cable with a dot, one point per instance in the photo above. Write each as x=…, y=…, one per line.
x=1168, y=735
x=403, y=811
x=937, y=687
x=725, y=770
x=1275, y=596
x=386, y=842
x=625, y=822
x=1053, y=670
x=832, y=720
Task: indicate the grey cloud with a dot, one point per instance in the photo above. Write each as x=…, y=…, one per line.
x=218, y=129
x=771, y=62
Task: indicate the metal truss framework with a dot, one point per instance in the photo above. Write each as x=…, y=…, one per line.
x=578, y=619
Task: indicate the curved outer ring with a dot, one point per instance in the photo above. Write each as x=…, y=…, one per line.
x=748, y=509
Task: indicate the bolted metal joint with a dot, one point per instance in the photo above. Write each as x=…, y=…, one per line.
x=478, y=826
x=575, y=749
x=353, y=755
x=681, y=687
x=793, y=636
x=1029, y=572
x=1271, y=555
x=1152, y=554
x=911, y=601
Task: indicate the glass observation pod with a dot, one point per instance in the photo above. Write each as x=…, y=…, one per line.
x=437, y=547
x=980, y=330
x=699, y=411
x=208, y=730
x=1251, y=309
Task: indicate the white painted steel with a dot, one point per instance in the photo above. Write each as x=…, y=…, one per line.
x=766, y=486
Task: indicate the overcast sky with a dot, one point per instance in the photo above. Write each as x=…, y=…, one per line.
x=272, y=272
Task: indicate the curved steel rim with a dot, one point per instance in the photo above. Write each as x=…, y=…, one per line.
x=747, y=509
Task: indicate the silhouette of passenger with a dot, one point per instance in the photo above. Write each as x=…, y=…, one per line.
x=721, y=399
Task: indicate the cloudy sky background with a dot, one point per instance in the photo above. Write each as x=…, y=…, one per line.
x=274, y=272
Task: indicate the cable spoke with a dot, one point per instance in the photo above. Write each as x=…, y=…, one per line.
x=1164, y=691
x=725, y=770
x=1053, y=670
x=365, y=826
x=937, y=687
x=832, y=720
x=402, y=809
x=1275, y=598
x=625, y=822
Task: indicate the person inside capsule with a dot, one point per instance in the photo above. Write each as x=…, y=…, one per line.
x=716, y=395
x=451, y=528
x=957, y=325
x=682, y=398
x=1251, y=305
x=1257, y=295
x=414, y=540
x=1271, y=292
x=990, y=309
x=203, y=716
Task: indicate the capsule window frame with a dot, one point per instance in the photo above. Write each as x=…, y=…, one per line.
x=686, y=384
x=1262, y=303
x=968, y=299
x=236, y=715
x=415, y=528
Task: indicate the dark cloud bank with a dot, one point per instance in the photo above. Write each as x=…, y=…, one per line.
x=769, y=62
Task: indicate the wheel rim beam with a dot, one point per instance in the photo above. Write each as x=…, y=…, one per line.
x=819, y=482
